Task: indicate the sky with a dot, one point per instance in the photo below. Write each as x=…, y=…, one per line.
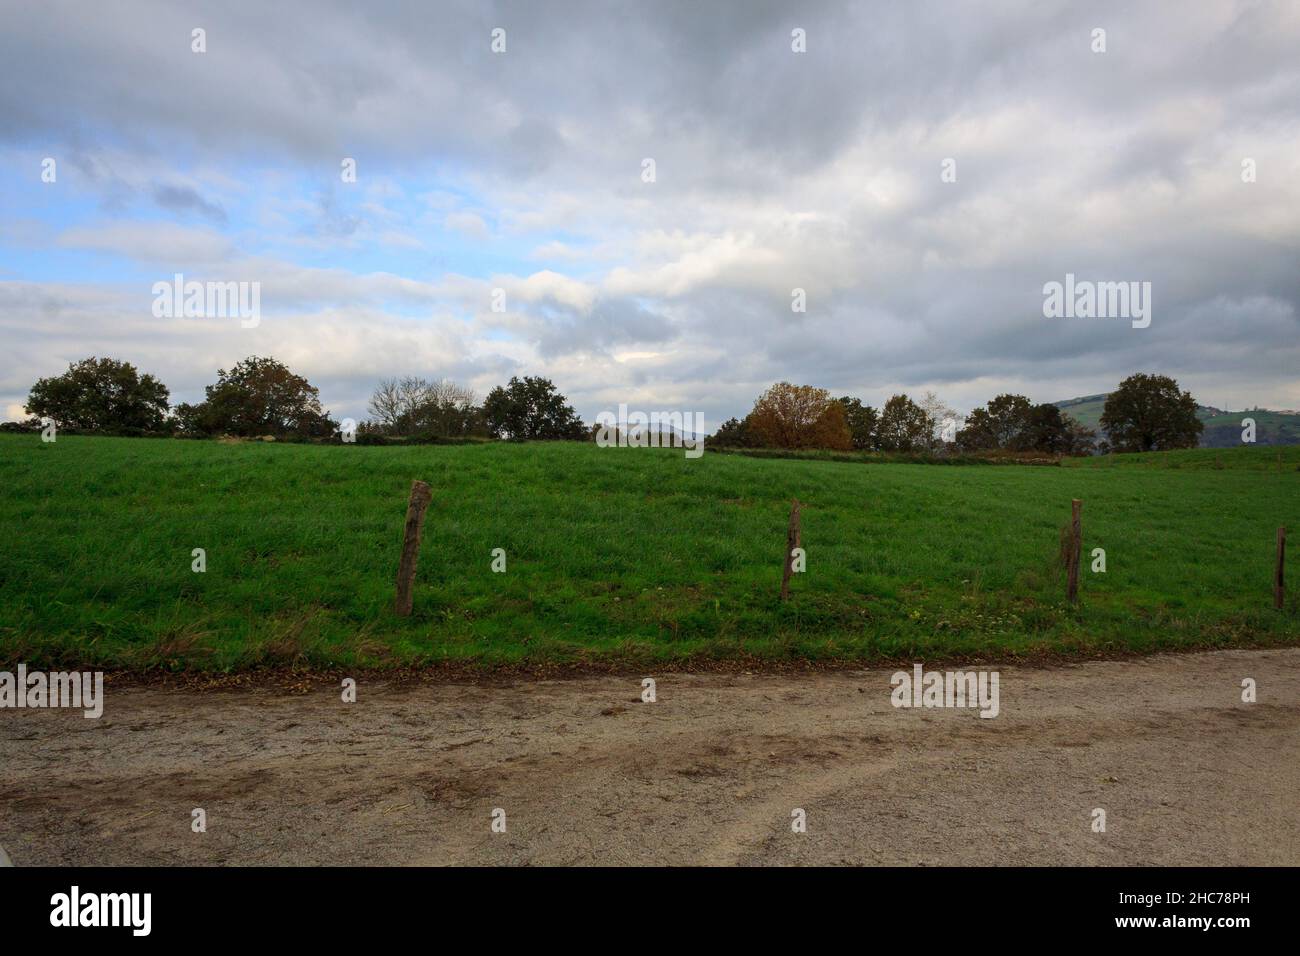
x=920, y=171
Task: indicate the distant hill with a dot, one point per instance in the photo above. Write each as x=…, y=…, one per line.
x=1222, y=429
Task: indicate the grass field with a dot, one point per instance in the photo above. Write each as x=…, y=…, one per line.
x=629, y=555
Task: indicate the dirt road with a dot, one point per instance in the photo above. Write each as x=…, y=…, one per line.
x=709, y=773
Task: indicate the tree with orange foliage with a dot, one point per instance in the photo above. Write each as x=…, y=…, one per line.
x=800, y=416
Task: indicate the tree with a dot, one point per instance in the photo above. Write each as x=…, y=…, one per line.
x=1000, y=425
x=416, y=406
x=734, y=433
x=393, y=404
x=1013, y=423
x=1149, y=413
x=1049, y=430
x=863, y=420
x=1079, y=440
x=259, y=396
x=799, y=416
x=101, y=394
x=448, y=410
x=941, y=416
x=531, y=408
x=904, y=426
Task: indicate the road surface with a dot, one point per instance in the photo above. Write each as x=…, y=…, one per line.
x=712, y=772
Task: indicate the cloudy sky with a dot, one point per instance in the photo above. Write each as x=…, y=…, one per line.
x=774, y=170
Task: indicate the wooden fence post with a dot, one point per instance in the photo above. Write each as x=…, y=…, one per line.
x=792, y=541
x=415, y=508
x=1076, y=548
x=1279, y=589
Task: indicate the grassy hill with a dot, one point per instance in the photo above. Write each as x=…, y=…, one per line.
x=1222, y=429
x=625, y=555
x=1085, y=410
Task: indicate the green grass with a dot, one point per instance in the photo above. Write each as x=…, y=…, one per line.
x=1284, y=460
x=627, y=555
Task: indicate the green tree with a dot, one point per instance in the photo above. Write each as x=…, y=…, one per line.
x=259, y=396
x=101, y=394
x=863, y=421
x=904, y=426
x=1150, y=413
x=1048, y=429
x=734, y=433
x=1000, y=424
x=1013, y=423
x=531, y=408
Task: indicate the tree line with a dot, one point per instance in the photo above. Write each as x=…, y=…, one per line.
x=261, y=396
x=524, y=409
x=1145, y=413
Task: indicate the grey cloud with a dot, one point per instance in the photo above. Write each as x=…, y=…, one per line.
x=531, y=147
x=1122, y=165
x=561, y=329
x=184, y=199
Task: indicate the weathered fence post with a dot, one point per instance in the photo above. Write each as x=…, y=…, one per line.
x=1279, y=589
x=1076, y=549
x=792, y=541
x=420, y=498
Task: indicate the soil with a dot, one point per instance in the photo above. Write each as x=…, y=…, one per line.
x=709, y=773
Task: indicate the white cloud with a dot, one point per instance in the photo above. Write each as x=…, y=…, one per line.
x=819, y=171
x=468, y=223
x=151, y=242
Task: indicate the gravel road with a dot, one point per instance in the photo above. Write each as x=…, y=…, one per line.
x=710, y=773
